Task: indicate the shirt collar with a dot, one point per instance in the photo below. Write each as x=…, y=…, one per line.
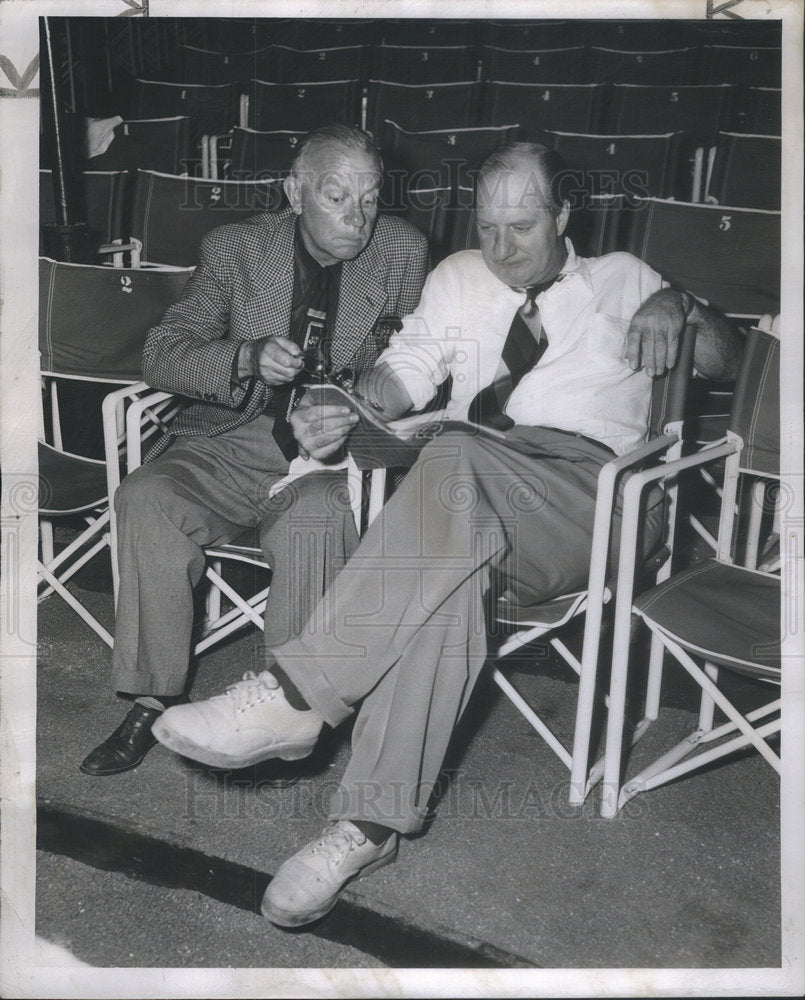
x=573, y=265
x=576, y=265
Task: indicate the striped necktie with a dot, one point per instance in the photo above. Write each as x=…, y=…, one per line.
x=521, y=352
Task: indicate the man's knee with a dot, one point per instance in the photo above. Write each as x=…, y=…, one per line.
x=317, y=499
x=145, y=492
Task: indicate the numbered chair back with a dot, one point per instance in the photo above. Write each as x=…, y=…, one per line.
x=301, y=106
x=438, y=157
x=420, y=64
x=171, y=215
x=346, y=62
x=212, y=107
x=574, y=107
x=197, y=65
x=752, y=66
x=93, y=323
x=93, y=320
x=424, y=106
x=630, y=165
x=666, y=66
x=730, y=257
x=564, y=65
x=699, y=111
x=261, y=155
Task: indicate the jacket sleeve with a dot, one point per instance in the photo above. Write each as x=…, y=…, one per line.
x=413, y=277
x=190, y=352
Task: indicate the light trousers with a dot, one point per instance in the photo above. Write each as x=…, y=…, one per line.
x=403, y=629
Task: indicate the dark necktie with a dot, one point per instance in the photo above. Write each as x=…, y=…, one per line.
x=521, y=352
x=308, y=329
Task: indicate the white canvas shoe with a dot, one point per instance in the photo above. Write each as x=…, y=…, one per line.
x=308, y=884
x=251, y=721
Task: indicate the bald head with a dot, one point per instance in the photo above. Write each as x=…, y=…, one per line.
x=543, y=169
x=519, y=217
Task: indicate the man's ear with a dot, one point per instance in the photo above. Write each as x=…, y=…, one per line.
x=293, y=192
x=562, y=217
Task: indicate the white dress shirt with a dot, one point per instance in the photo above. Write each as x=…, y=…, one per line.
x=582, y=383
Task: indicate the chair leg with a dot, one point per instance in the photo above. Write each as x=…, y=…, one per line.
x=214, y=594
x=707, y=706
x=758, y=494
x=76, y=605
x=46, y=543
x=654, y=683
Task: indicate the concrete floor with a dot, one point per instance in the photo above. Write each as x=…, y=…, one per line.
x=506, y=874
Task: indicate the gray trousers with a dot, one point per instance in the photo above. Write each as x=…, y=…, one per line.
x=206, y=491
x=404, y=628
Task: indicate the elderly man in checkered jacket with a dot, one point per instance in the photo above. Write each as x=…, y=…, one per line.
x=271, y=297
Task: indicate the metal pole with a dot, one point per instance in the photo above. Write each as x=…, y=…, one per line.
x=67, y=238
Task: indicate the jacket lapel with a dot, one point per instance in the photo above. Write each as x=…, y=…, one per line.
x=362, y=300
x=272, y=290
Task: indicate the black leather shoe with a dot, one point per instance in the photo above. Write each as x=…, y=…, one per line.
x=126, y=747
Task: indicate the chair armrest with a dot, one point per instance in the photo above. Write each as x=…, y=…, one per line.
x=147, y=406
x=117, y=248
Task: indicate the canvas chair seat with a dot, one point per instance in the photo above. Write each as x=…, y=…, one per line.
x=727, y=614
x=69, y=484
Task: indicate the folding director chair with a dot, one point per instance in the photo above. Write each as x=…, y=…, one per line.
x=720, y=612
x=92, y=326
x=664, y=444
x=697, y=111
x=213, y=107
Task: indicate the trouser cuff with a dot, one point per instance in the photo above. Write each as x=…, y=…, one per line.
x=309, y=678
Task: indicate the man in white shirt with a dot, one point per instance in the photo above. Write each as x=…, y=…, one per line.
x=403, y=628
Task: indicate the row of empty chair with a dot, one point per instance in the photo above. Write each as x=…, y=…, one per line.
x=309, y=33
x=615, y=108
x=575, y=63
x=702, y=247
x=738, y=169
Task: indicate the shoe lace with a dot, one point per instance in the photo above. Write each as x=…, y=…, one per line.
x=252, y=689
x=337, y=841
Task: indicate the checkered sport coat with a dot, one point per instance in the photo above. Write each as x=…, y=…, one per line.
x=242, y=290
